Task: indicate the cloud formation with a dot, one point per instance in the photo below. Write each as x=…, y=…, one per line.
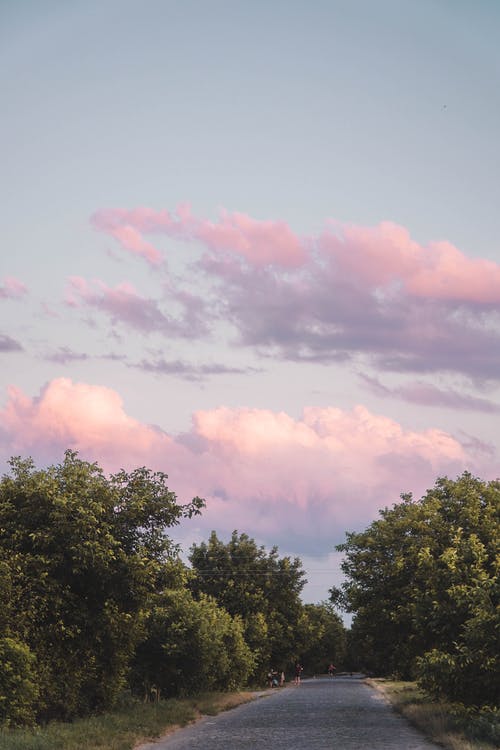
x=261, y=243
x=8, y=344
x=426, y=394
x=281, y=479
x=344, y=293
x=12, y=288
x=123, y=305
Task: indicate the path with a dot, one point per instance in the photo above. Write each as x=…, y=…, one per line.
x=323, y=714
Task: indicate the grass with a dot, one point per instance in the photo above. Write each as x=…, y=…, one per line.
x=134, y=724
x=450, y=725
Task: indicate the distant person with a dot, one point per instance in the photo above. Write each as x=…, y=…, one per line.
x=298, y=671
x=331, y=669
x=282, y=678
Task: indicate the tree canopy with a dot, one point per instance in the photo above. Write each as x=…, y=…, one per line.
x=80, y=556
x=95, y=597
x=423, y=583
x=258, y=586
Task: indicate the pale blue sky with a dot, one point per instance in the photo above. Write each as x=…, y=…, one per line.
x=355, y=111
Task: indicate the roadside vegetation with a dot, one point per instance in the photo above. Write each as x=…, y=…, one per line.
x=128, y=726
x=451, y=725
x=423, y=584
x=97, y=604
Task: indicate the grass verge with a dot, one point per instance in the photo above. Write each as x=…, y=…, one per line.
x=123, y=729
x=450, y=725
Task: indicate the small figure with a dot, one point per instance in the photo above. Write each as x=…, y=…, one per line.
x=298, y=671
x=331, y=669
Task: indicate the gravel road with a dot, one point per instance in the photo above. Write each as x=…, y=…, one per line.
x=342, y=713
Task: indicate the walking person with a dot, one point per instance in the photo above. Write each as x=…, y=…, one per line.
x=298, y=671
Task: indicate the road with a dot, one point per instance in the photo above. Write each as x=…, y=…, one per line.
x=342, y=713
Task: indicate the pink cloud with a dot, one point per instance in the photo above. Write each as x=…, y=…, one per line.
x=12, y=288
x=86, y=418
x=348, y=291
x=385, y=257
x=266, y=473
x=380, y=257
x=261, y=243
x=130, y=239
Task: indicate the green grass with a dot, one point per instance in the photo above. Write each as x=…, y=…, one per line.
x=452, y=726
x=134, y=724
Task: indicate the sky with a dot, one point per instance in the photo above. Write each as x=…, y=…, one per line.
x=254, y=246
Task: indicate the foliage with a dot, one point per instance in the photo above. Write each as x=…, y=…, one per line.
x=18, y=688
x=190, y=645
x=322, y=638
x=451, y=725
x=423, y=582
x=258, y=586
x=84, y=553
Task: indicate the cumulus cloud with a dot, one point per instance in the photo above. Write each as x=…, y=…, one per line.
x=348, y=291
x=83, y=417
x=299, y=483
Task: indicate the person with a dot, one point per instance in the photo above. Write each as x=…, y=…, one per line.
x=282, y=678
x=331, y=670
x=298, y=672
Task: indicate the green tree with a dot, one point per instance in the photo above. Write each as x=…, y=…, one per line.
x=423, y=583
x=18, y=686
x=190, y=645
x=85, y=552
x=322, y=638
x=258, y=586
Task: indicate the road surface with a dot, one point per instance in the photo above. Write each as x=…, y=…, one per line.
x=342, y=713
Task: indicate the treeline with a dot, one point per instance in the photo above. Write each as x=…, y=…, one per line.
x=96, y=601
x=423, y=584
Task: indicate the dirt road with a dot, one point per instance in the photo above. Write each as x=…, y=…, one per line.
x=322, y=714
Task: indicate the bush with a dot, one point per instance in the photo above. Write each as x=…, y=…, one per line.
x=190, y=645
x=18, y=689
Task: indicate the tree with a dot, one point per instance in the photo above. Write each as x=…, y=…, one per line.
x=84, y=552
x=190, y=645
x=259, y=586
x=322, y=638
x=423, y=583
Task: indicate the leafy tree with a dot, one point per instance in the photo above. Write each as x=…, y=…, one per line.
x=322, y=638
x=423, y=582
x=85, y=552
x=190, y=645
x=259, y=586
